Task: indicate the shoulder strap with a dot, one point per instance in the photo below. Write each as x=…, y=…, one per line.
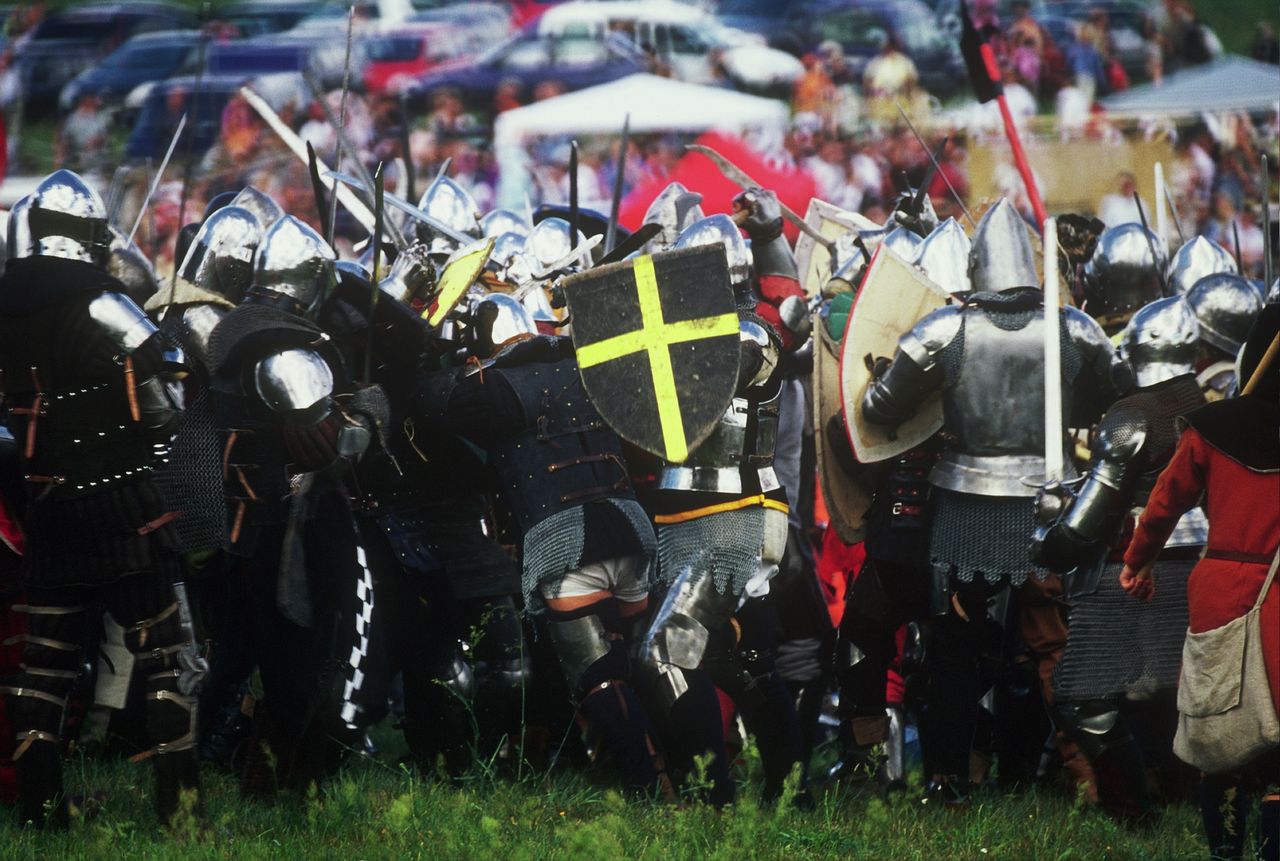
x=1271, y=576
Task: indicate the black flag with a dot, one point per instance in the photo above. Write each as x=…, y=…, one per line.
x=978, y=57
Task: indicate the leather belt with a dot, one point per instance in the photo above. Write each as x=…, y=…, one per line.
x=1238, y=556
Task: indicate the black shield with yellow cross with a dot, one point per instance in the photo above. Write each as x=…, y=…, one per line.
x=657, y=344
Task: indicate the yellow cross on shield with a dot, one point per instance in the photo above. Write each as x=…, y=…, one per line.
x=657, y=345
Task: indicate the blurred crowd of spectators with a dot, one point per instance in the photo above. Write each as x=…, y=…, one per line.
x=846, y=131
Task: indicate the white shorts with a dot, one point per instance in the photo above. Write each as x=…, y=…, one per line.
x=627, y=577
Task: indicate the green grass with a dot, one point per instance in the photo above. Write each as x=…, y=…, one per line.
x=376, y=810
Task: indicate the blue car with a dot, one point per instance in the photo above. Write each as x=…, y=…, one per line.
x=530, y=59
x=145, y=57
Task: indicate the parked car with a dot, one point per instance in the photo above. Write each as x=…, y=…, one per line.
x=530, y=59
x=485, y=23
x=396, y=58
x=261, y=17
x=687, y=39
x=68, y=42
x=202, y=99
x=145, y=57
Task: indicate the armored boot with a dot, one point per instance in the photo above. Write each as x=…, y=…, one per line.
x=593, y=657
x=41, y=800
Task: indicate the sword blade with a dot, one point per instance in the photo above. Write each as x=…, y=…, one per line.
x=736, y=174
x=955, y=195
x=404, y=206
x=295, y=144
x=344, y=143
x=155, y=182
x=378, y=210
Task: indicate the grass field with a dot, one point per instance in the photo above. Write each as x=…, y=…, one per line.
x=374, y=809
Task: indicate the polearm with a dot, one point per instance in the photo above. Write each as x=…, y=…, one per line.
x=1268, y=268
x=155, y=181
x=984, y=73
x=936, y=167
x=377, y=270
x=615, y=206
x=331, y=223
x=573, y=191
x=393, y=231
x=1151, y=243
x=188, y=156
x=1053, y=462
x=1173, y=212
x=1162, y=214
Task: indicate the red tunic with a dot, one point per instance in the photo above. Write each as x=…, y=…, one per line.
x=1243, y=507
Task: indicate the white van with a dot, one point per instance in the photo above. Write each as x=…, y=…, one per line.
x=683, y=38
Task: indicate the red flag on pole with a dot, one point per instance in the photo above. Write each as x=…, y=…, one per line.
x=984, y=75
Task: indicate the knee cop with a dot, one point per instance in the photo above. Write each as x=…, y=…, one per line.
x=680, y=631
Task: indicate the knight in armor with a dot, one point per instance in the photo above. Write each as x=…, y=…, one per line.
x=1123, y=274
x=453, y=206
x=1226, y=306
x=422, y=514
x=87, y=382
x=1194, y=259
x=212, y=277
x=722, y=525
x=290, y=422
x=1099, y=692
x=986, y=357
x=587, y=545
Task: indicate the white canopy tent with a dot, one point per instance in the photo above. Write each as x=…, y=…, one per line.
x=1232, y=83
x=654, y=104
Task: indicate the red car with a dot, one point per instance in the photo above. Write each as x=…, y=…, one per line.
x=396, y=57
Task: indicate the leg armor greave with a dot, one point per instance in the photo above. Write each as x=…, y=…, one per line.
x=173, y=672
x=38, y=703
x=596, y=666
x=676, y=641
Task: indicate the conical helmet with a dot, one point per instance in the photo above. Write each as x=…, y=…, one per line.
x=295, y=262
x=1122, y=275
x=551, y=240
x=68, y=219
x=944, y=257
x=501, y=221
x=1001, y=257
x=1226, y=307
x=905, y=243
x=1196, y=259
x=675, y=208
x=220, y=259
x=1161, y=341
x=451, y=205
x=261, y=204
x=720, y=229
